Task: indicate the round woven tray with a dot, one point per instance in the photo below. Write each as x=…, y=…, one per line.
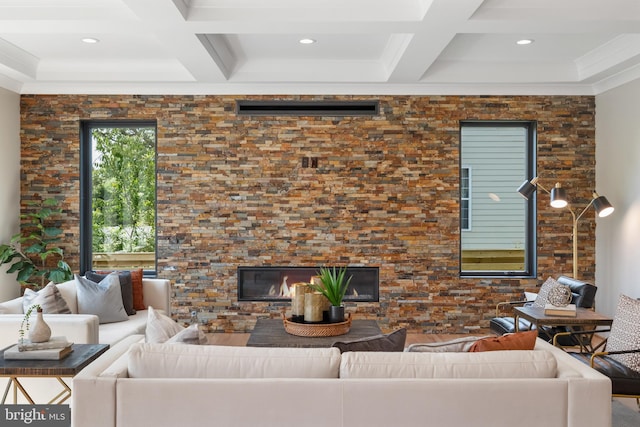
x=317, y=329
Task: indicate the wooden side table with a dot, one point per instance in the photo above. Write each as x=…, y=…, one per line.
x=584, y=318
x=80, y=357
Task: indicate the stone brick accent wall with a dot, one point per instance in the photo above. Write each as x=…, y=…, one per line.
x=231, y=191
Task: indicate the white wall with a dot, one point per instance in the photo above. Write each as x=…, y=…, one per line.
x=10, y=179
x=618, y=177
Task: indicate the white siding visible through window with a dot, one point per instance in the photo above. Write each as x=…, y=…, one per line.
x=497, y=156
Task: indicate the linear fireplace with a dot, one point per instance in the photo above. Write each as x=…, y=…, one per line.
x=272, y=283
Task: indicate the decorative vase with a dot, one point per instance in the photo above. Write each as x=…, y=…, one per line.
x=336, y=314
x=40, y=331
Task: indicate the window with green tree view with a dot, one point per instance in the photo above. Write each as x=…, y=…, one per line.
x=118, y=204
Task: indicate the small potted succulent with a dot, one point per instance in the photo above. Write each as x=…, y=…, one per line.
x=334, y=286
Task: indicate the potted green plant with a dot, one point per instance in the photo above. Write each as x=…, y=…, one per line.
x=33, y=252
x=334, y=286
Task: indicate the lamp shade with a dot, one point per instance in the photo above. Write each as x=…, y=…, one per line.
x=558, y=197
x=527, y=189
x=602, y=205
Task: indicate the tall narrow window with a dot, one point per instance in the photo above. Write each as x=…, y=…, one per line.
x=465, y=198
x=118, y=204
x=501, y=155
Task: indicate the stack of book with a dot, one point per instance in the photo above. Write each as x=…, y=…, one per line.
x=553, y=310
x=55, y=349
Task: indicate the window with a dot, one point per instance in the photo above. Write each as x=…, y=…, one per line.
x=465, y=198
x=118, y=196
x=501, y=156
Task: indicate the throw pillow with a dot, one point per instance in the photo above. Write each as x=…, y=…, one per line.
x=625, y=333
x=136, y=287
x=458, y=345
x=160, y=328
x=393, y=341
x=543, y=294
x=517, y=341
x=103, y=299
x=138, y=296
x=189, y=335
x=49, y=298
x=125, y=287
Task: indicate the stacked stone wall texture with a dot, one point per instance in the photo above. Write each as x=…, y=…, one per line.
x=232, y=192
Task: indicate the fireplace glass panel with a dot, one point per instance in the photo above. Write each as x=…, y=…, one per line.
x=272, y=283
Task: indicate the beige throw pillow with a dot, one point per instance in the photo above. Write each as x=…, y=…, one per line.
x=160, y=327
x=49, y=298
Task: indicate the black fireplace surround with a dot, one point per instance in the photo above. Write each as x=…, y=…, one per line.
x=272, y=283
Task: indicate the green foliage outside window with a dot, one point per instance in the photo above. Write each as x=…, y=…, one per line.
x=124, y=190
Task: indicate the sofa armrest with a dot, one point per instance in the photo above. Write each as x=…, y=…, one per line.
x=97, y=383
x=156, y=293
x=78, y=328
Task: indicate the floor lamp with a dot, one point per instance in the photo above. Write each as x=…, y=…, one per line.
x=559, y=200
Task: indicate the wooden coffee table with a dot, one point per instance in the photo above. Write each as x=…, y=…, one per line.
x=80, y=357
x=271, y=333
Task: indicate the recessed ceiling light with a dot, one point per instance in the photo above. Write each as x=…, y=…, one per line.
x=524, y=41
x=307, y=41
x=90, y=40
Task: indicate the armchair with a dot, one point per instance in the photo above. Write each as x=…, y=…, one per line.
x=620, y=358
x=583, y=295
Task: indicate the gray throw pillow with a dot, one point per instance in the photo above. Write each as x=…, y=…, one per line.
x=393, y=341
x=103, y=299
x=126, y=287
x=49, y=298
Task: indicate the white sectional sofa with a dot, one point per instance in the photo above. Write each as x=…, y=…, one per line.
x=136, y=384
x=80, y=328
x=85, y=328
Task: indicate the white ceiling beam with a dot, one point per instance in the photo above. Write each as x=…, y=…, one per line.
x=438, y=28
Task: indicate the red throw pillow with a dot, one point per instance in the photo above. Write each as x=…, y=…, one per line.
x=518, y=341
x=138, y=297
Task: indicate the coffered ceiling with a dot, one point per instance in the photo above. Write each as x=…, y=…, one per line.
x=361, y=46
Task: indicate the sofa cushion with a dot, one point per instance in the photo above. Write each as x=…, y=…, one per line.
x=625, y=333
x=103, y=299
x=516, y=341
x=49, y=298
x=393, y=341
x=125, y=287
x=111, y=333
x=208, y=361
x=493, y=364
x=453, y=346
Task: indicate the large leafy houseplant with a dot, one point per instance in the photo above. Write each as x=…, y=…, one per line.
x=33, y=253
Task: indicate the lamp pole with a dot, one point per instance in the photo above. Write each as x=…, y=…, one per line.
x=574, y=236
